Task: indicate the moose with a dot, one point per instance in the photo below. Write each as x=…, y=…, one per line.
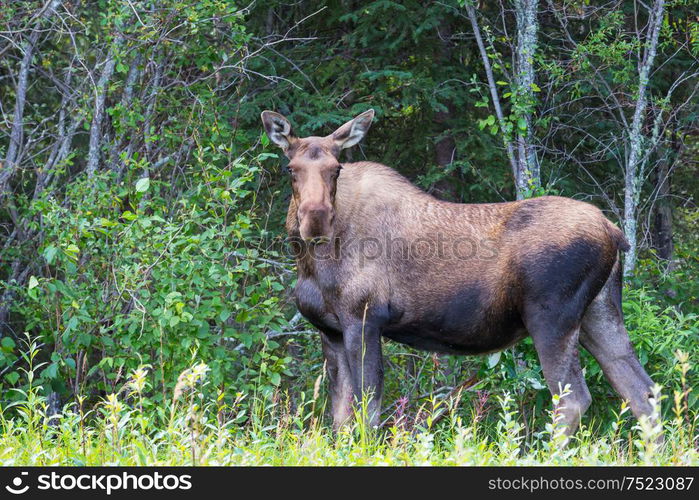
x=547, y=267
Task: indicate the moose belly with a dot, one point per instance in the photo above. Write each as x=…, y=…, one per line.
x=469, y=340
x=465, y=323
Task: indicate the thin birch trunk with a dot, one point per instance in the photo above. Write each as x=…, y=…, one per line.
x=43, y=173
x=470, y=9
x=93, y=154
x=632, y=175
x=9, y=166
x=118, y=150
x=520, y=153
x=150, y=110
x=528, y=174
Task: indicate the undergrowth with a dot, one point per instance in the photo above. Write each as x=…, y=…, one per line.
x=128, y=428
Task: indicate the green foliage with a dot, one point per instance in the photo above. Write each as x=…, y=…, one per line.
x=134, y=277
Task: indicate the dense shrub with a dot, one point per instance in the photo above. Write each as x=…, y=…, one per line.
x=133, y=276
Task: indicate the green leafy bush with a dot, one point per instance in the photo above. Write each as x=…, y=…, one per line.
x=133, y=276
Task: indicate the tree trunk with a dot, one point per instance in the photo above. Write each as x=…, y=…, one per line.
x=43, y=173
x=445, y=147
x=470, y=9
x=528, y=175
x=521, y=154
x=93, y=154
x=119, y=154
x=663, y=215
x=8, y=167
x=150, y=111
x=663, y=230
x=632, y=177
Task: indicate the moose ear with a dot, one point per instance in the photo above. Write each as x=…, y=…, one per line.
x=278, y=129
x=354, y=130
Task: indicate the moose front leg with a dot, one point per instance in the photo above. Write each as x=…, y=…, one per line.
x=363, y=349
x=339, y=377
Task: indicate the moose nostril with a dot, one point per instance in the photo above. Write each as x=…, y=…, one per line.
x=313, y=211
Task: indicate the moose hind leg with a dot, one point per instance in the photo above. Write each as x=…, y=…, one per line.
x=560, y=361
x=605, y=337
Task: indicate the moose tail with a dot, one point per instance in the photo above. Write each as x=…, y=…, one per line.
x=618, y=236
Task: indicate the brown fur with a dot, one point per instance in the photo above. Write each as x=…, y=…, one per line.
x=532, y=267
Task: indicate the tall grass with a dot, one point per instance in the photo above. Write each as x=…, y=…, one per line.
x=127, y=428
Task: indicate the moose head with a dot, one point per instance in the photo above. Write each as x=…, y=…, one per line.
x=314, y=168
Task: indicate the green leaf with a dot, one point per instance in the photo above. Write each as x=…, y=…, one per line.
x=51, y=371
x=72, y=323
x=7, y=344
x=493, y=359
x=535, y=87
x=12, y=378
x=50, y=254
x=72, y=250
x=264, y=156
x=107, y=223
x=522, y=124
x=33, y=283
x=142, y=185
